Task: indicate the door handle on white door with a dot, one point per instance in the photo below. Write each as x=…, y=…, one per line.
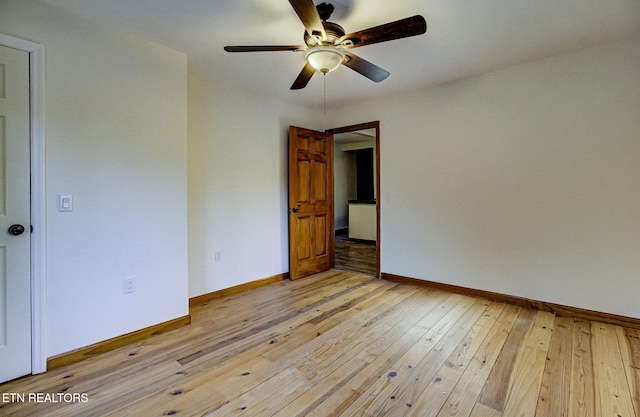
x=16, y=229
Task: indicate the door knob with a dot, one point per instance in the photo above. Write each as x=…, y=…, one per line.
x=16, y=229
x=294, y=210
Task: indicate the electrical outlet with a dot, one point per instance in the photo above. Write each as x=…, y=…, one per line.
x=217, y=256
x=129, y=285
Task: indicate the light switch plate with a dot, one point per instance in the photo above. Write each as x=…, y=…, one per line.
x=65, y=202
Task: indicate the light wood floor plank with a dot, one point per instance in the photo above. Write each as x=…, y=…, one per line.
x=481, y=410
x=343, y=343
x=631, y=358
x=494, y=393
x=462, y=400
x=556, y=383
x=582, y=391
x=524, y=386
x=612, y=388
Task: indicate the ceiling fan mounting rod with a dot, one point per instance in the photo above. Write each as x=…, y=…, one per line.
x=325, y=10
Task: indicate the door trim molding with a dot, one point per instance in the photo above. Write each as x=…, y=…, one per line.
x=38, y=197
x=362, y=126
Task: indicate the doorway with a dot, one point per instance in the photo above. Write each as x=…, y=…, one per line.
x=356, y=194
x=37, y=236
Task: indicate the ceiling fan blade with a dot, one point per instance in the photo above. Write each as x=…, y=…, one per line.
x=263, y=48
x=308, y=14
x=364, y=67
x=304, y=77
x=404, y=28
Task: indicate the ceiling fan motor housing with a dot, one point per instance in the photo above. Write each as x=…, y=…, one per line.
x=325, y=55
x=333, y=30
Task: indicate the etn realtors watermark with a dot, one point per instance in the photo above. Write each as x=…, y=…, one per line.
x=44, y=397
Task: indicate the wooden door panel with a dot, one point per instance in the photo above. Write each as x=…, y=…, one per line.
x=304, y=144
x=319, y=147
x=320, y=239
x=310, y=202
x=320, y=182
x=304, y=184
x=303, y=248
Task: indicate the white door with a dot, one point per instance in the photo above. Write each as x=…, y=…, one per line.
x=15, y=214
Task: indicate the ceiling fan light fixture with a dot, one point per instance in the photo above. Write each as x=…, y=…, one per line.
x=325, y=58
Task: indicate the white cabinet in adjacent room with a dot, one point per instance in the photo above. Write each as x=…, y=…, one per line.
x=362, y=220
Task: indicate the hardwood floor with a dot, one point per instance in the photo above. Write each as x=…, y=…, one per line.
x=358, y=256
x=347, y=344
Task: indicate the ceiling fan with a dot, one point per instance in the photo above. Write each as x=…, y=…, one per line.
x=327, y=46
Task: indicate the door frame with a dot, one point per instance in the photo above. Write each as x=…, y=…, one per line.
x=38, y=196
x=352, y=128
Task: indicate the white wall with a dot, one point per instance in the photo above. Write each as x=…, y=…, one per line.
x=116, y=127
x=523, y=181
x=237, y=183
x=344, y=168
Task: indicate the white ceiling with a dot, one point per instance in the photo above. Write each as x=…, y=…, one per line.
x=464, y=38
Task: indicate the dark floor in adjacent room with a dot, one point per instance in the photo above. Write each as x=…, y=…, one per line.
x=355, y=255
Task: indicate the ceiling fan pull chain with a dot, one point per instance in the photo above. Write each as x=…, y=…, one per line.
x=324, y=102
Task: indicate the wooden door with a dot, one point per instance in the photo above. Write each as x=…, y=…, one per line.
x=311, y=208
x=15, y=215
